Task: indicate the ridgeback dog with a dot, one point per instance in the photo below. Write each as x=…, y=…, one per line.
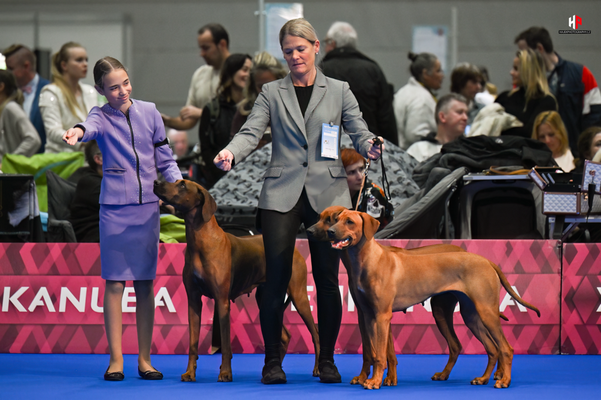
x=221, y=266
x=442, y=305
x=386, y=280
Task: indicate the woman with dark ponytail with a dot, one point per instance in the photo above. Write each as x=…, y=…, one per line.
x=414, y=103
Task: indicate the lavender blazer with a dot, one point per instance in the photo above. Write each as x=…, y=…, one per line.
x=129, y=157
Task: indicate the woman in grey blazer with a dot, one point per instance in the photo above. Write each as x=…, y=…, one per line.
x=302, y=180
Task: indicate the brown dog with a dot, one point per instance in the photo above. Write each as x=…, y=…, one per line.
x=443, y=305
x=387, y=280
x=222, y=267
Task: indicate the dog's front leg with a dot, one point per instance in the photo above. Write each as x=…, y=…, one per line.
x=378, y=329
x=368, y=356
x=194, y=312
x=222, y=305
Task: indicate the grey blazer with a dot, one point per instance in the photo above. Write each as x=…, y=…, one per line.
x=296, y=160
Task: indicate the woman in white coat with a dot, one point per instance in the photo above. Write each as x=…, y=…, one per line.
x=414, y=103
x=66, y=102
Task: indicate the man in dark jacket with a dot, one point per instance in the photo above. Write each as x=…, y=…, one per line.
x=367, y=81
x=573, y=85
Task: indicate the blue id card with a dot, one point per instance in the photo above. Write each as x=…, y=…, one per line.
x=329, y=140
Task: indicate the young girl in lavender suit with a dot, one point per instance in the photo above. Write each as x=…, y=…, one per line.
x=131, y=137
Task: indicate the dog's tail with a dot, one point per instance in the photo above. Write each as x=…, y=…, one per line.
x=510, y=290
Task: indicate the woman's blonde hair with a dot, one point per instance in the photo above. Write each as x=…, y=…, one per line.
x=553, y=119
x=531, y=67
x=298, y=27
x=58, y=79
x=263, y=62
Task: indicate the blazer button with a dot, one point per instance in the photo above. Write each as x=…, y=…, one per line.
x=305, y=164
x=305, y=147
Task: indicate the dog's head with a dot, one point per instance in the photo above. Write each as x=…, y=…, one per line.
x=344, y=228
x=186, y=196
x=327, y=218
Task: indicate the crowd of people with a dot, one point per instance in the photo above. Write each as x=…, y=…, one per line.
x=240, y=103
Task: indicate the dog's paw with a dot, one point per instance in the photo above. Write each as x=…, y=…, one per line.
x=498, y=375
x=479, y=381
x=372, y=383
x=390, y=381
x=225, y=376
x=359, y=380
x=316, y=371
x=502, y=384
x=440, y=376
x=188, y=377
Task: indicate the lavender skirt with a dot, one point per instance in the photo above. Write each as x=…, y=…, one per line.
x=129, y=241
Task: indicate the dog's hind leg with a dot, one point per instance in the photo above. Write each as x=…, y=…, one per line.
x=490, y=320
x=194, y=312
x=473, y=320
x=443, y=307
x=302, y=305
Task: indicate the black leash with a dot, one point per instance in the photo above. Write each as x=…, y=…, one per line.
x=385, y=184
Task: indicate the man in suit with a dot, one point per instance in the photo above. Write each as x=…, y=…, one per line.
x=21, y=61
x=305, y=110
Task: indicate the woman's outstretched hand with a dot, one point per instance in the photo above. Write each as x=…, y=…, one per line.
x=223, y=160
x=375, y=151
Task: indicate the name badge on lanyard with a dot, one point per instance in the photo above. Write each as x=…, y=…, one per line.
x=329, y=140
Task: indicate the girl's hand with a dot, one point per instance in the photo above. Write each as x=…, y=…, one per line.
x=375, y=152
x=72, y=136
x=223, y=160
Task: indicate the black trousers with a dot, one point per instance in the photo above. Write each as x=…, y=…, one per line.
x=279, y=237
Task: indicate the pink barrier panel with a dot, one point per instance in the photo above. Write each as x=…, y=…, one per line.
x=51, y=297
x=581, y=308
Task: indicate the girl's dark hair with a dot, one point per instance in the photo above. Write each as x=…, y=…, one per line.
x=10, y=89
x=232, y=64
x=585, y=140
x=104, y=66
x=419, y=62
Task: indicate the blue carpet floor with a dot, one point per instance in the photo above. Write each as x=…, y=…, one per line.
x=38, y=376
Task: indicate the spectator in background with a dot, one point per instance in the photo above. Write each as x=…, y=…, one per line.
x=217, y=116
x=21, y=61
x=549, y=129
x=489, y=90
x=367, y=81
x=451, y=119
x=572, y=84
x=66, y=101
x=214, y=43
x=17, y=134
x=178, y=141
x=266, y=68
x=372, y=197
x=85, y=208
x=589, y=143
x=466, y=80
x=530, y=95
x=415, y=102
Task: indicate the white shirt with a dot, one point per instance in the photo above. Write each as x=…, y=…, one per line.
x=29, y=97
x=203, y=86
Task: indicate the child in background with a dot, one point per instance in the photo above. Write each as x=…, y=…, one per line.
x=131, y=136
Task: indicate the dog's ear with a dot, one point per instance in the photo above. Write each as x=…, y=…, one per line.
x=370, y=226
x=209, y=207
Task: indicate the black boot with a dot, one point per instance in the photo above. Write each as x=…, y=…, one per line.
x=273, y=372
x=328, y=373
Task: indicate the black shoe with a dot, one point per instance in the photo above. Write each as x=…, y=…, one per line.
x=328, y=373
x=113, y=376
x=150, y=375
x=273, y=373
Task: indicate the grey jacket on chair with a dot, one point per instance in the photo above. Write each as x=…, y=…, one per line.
x=296, y=160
